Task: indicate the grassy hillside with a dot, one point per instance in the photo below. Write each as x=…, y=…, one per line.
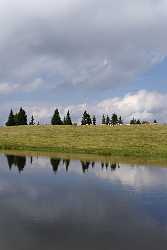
x=149, y=142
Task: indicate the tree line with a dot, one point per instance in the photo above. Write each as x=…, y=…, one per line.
x=20, y=118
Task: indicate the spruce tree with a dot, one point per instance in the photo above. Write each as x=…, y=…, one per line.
x=120, y=120
x=21, y=117
x=56, y=119
x=114, y=119
x=86, y=119
x=67, y=119
x=107, y=120
x=103, y=119
x=94, y=120
x=32, y=122
x=11, y=119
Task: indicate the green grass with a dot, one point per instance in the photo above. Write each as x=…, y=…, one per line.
x=144, y=141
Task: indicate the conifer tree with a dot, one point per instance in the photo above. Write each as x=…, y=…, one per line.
x=11, y=119
x=67, y=119
x=56, y=119
x=120, y=120
x=86, y=119
x=107, y=120
x=32, y=122
x=94, y=120
x=114, y=119
x=21, y=117
x=64, y=121
x=103, y=119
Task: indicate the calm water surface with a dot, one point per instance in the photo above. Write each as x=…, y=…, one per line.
x=74, y=205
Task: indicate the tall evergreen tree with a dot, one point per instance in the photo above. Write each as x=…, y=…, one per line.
x=94, y=120
x=67, y=119
x=56, y=119
x=11, y=119
x=21, y=117
x=86, y=119
x=120, y=120
x=107, y=120
x=103, y=119
x=114, y=119
x=32, y=122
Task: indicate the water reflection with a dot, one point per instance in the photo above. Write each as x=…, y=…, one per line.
x=55, y=164
x=16, y=161
x=97, y=205
x=20, y=163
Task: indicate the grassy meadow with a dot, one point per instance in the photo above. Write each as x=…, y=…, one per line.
x=136, y=141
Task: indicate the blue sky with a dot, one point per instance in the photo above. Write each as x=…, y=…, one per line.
x=105, y=56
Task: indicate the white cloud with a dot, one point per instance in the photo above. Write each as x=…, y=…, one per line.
x=94, y=43
x=142, y=105
x=6, y=88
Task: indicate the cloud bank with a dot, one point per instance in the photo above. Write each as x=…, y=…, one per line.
x=86, y=43
x=142, y=105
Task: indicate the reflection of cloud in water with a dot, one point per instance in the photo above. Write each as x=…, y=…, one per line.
x=136, y=176
x=76, y=208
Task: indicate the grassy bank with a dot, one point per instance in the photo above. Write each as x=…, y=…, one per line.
x=145, y=141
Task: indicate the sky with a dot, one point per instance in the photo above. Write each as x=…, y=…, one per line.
x=104, y=56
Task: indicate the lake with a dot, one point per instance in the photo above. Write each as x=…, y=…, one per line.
x=54, y=203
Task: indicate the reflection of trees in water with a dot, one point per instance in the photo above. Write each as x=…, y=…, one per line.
x=93, y=164
x=108, y=165
x=31, y=160
x=18, y=161
x=55, y=163
x=66, y=162
x=85, y=166
x=111, y=165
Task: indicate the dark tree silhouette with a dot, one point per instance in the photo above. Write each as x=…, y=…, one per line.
x=107, y=120
x=102, y=165
x=103, y=120
x=93, y=164
x=85, y=166
x=114, y=119
x=11, y=119
x=32, y=122
x=67, y=119
x=10, y=160
x=56, y=119
x=55, y=163
x=94, y=120
x=113, y=166
x=120, y=120
x=18, y=161
x=21, y=117
x=86, y=119
x=66, y=162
